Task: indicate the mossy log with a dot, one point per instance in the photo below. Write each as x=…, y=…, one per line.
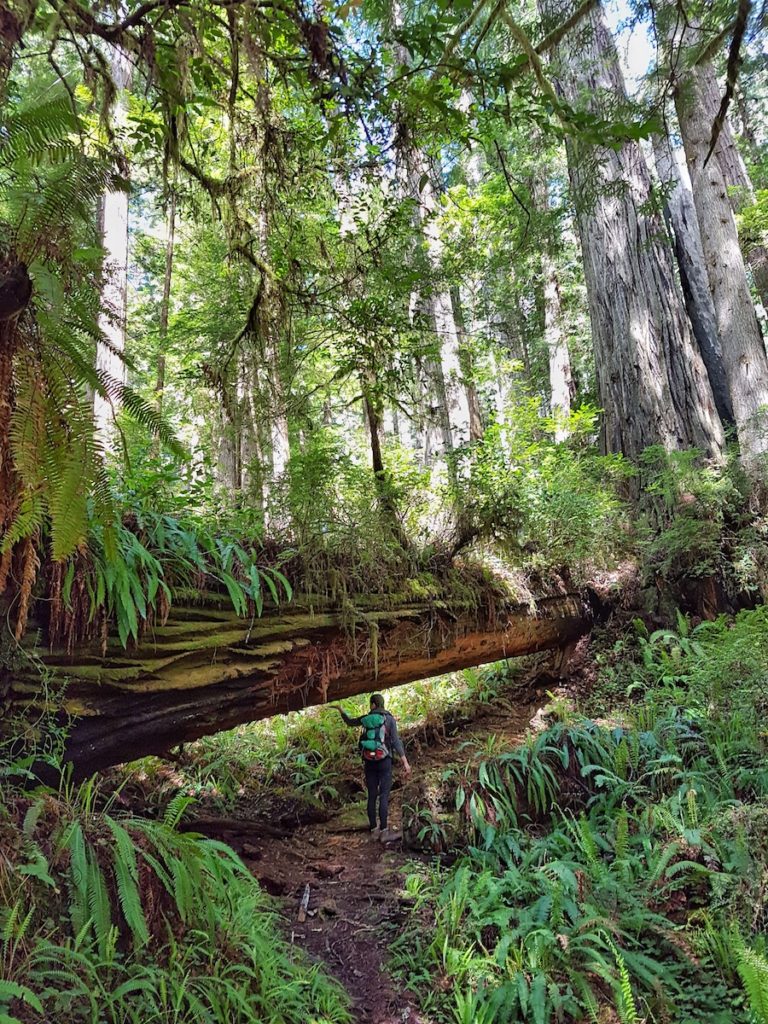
x=205, y=670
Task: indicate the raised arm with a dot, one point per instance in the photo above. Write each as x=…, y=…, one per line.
x=347, y=718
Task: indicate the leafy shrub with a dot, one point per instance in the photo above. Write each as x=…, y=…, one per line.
x=699, y=523
x=547, y=503
x=119, y=919
x=588, y=847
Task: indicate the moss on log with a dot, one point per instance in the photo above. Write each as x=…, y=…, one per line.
x=206, y=670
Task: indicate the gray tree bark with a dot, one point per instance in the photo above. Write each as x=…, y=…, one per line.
x=652, y=382
x=741, y=191
x=744, y=352
x=114, y=291
x=681, y=214
x=561, y=385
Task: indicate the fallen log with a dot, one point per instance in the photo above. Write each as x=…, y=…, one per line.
x=205, y=670
x=248, y=827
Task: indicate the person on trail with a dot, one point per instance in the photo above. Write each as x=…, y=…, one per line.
x=378, y=741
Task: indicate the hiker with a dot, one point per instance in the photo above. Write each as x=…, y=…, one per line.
x=378, y=740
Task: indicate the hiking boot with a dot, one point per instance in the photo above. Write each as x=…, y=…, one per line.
x=375, y=832
x=390, y=835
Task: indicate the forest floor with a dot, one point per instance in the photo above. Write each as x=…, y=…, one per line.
x=356, y=903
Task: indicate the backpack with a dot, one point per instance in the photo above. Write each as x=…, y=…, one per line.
x=373, y=739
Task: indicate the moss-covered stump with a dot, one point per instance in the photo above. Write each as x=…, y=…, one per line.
x=205, y=670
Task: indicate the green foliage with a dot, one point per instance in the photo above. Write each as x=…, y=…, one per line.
x=548, y=504
x=753, y=220
x=753, y=969
x=590, y=845
x=49, y=186
x=132, y=920
x=700, y=523
x=715, y=667
x=131, y=576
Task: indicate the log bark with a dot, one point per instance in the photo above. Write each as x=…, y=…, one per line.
x=205, y=670
x=652, y=382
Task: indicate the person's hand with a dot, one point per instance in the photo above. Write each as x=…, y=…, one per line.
x=406, y=766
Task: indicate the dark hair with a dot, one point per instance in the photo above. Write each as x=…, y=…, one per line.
x=377, y=700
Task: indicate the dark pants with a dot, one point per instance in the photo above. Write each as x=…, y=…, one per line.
x=378, y=780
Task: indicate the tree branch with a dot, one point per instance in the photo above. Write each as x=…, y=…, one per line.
x=455, y=38
x=556, y=35
x=732, y=73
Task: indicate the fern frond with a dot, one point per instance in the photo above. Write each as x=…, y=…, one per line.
x=98, y=901
x=127, y=879
x=753, y=970
x=145, y=414
x=36, y=129
x=74, y=842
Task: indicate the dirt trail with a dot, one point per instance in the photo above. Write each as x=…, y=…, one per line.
x=354, y=882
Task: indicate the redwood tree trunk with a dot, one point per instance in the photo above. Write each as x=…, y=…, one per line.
x=744, y=355
x=165, y=306
x=373, y=419
x=561, y=385
x=445, y=372
x=673, y=175
x=465, y=360
x=741, y=192
x=114, y=235
x=652, y=382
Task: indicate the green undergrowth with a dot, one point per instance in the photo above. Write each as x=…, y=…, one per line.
x=618, y=864
x=306, y=761
x=108, y=918
x=700, y=527
x=539, y=510
x=130, y=573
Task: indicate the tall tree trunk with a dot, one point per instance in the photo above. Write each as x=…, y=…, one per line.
x=465, y=361
x=560, y=376
x=744, y=353
x=113, y=217
x=165, y=305
x=373, y=418
x=741, y=192
x=452, y=405
x=652, y=382
x=270, y=312
x=681, y=214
